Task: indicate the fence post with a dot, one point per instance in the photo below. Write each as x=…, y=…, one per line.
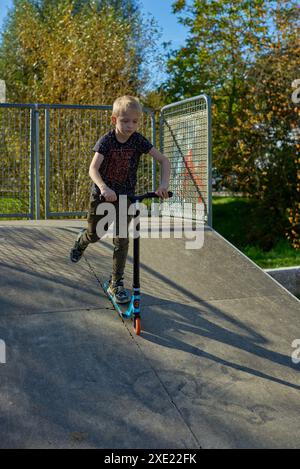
x=209, y=160
x=47, y=164
x=153, y=125
x=161, y=135
x=37, y=160
x=31, y=170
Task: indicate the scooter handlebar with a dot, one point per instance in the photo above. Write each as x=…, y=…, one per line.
x=147, y=195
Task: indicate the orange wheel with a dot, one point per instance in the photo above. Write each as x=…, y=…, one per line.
x=137, y=325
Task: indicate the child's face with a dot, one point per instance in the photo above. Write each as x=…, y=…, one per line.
x=126, y=123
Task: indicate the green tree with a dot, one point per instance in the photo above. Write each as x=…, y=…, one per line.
x=270, y=164
x=223, y=35
x=230, y=55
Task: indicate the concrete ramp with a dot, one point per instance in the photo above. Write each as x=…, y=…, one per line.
x=213, y=367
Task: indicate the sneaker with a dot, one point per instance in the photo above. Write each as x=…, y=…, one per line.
x=118, y=292
x=77, y=251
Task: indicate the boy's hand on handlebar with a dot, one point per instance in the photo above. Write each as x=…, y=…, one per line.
x=162, y=192
x=108, y=194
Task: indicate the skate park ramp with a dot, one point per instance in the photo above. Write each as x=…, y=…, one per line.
x=212, y=368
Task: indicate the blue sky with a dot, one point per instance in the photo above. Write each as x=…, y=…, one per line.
x=4, y=6
x=162, y=12
x=160, y=9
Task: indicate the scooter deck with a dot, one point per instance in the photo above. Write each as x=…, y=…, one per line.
x=125, y=310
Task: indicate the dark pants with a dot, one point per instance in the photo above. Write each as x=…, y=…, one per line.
x=121, y=243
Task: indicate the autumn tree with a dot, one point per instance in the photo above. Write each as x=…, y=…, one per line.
x=230, y=55
x=72, y=52
x=75, y=51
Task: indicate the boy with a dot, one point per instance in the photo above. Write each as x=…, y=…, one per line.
x=114, y=172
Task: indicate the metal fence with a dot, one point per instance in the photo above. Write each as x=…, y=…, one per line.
x=45, y=154
x=70, y=135
x=185, y=138
x=46, y=150
x=17, y=161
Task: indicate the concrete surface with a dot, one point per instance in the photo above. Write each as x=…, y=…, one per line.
x=212, y=367
x=289, y=277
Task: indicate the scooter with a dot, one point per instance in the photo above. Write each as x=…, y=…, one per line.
x=133, y=311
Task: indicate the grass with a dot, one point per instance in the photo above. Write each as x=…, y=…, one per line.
x=12, y=205
x=231, y=218
x=282, y=255
x=234, y=216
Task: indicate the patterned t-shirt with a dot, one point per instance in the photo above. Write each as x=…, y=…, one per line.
x=120, y=164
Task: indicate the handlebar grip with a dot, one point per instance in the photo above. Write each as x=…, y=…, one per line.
x=154, y=195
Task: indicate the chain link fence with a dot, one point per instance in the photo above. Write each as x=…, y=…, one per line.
x=17, y=161
x=46, y=151
x=185, y=138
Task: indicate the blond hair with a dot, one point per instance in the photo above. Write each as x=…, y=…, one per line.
x=126, y=103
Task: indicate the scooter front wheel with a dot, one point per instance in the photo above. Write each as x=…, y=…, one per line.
x=137, y=325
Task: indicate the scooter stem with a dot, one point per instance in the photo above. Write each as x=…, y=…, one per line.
x=136, y=250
